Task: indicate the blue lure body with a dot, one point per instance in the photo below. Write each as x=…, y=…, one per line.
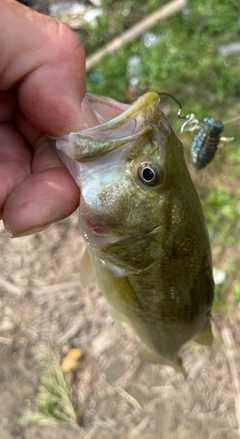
x=206, y=142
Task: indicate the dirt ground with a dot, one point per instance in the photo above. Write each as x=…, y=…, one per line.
x=121, y=396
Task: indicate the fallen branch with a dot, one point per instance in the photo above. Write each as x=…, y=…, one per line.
x=135, y=31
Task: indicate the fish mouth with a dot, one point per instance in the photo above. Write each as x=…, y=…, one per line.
x=119, y=124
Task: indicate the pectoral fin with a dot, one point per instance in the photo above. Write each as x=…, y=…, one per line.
x=126, y=291
x=117, y=316
x=206, y=338
x=86, y=269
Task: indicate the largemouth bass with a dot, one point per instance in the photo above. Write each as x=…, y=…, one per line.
x=144, y=226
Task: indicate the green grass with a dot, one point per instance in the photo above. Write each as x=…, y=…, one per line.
x=223, y=215
x=186, y=63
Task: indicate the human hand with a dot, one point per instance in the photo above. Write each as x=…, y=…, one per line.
x=42, y=91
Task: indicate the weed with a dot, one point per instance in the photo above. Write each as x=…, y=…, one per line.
x=53, y=402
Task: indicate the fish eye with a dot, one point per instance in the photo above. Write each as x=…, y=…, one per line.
x=150, y=174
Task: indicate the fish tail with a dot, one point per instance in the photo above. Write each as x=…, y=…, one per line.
x=154, y=357
x=206, y=338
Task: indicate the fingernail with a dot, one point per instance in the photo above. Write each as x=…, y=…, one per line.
x=29, y=232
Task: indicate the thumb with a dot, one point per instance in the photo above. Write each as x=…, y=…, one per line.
x=46, y=61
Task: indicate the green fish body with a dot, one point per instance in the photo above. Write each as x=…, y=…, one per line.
x=143, y=223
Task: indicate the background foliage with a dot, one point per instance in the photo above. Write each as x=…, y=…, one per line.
x=186, y=63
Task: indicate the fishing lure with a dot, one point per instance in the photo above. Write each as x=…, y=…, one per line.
x=207, y=139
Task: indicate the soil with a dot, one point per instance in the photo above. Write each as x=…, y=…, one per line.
x=121, y=396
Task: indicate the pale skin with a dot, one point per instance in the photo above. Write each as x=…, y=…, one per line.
x=42, y=88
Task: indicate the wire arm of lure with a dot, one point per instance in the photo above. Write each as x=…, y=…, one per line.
x=224, y=140
x=177, y=102
x=191, y=123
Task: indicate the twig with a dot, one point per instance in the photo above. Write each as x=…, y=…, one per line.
x=107, y=386
x=71, y=331
x=91, y=434
x=230, y=354
x=10, y=287
x=135, y=31
x=120, y=391
x=110, y=424
x=137, y=430
x=55, y=288
x=128, y=398
x=128, y=376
